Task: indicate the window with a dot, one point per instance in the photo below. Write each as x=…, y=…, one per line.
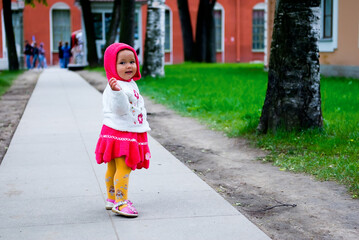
x=258, y=30
x=61, y=27
x=102, y=21
x=108, y=17
x=328, y=19
x=136, y=25
x=218, y=29
x=97, y=22
x=328, y=25
x=167, y=30
x=18, y=30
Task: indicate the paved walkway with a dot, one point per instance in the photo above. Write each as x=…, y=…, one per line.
x=52, y=188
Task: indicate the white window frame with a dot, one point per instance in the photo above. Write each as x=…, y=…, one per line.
x=219, y=7
x=329, y=45
x=100, y=42
x=138, y=42
x=103, y=8
x=3, y=61
x=56, y=6
x=170, y=51
x=260, y=6
x=171, y=28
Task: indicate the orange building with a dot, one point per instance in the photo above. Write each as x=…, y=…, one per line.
x=240, y=28
x=339, y=42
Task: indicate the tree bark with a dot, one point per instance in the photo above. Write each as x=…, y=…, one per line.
x=205, y=32
x=10, y=36
x=114, y=24
x=187, y=34
x=92, y=57
x=127, y=29
x=155, y=39
x=293, y=100
x=211, y=34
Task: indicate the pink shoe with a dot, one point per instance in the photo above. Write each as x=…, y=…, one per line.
x=128, y=211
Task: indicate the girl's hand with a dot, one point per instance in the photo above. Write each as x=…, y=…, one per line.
x=114, y=86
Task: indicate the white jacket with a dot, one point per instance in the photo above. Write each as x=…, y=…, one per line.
x=125, y=110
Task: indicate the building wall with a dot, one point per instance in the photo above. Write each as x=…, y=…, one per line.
x=245, y=31
x=270, y=25
x=344, y=59
x=177, y=43
x=237, y=28
x=237, y=32
x=347, y=52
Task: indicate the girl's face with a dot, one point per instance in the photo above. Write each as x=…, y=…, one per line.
x=126, y=64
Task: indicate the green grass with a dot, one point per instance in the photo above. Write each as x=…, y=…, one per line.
x=6, y=79
x=229, y=98
x=215, y=93
x=95, y=69
x=331, y=154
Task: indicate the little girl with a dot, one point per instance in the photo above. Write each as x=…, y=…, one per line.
x=123, y=139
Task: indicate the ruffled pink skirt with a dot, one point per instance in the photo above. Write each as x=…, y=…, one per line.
x=114, y=144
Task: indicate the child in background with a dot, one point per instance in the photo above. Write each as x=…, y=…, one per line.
x=42, y=59
x=123, y=141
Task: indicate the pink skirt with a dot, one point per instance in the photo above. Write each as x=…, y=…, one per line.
x=114, y=144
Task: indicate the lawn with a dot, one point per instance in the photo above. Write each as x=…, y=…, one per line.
x=6, y=79
x=229, y=98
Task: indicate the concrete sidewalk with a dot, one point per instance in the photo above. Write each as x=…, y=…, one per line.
x=52, y=188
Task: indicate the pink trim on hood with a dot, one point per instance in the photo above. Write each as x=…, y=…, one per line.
x=110, y=61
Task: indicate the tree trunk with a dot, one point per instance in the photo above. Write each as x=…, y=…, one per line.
x=114, y=24
x=205, y=32
x=10, y=36
x=155, y=39
x=211, y=34
x=92, y=57
x=293, y=100
x=187, y=34
x=127, y=29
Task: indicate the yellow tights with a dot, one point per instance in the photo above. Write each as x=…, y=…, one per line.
x=117, y=177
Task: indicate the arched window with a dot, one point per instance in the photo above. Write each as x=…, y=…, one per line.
x=168, y=29
x=60, y=24
x=219, y=26
x=258, y=27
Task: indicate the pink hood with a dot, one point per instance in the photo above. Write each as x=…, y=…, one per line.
x=110, y=61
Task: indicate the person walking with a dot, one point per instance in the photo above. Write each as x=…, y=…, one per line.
x=35, y=52
x=42, y=59
x=28, y=54
x=122, y=143
x=61, y=55
x=66, y=54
